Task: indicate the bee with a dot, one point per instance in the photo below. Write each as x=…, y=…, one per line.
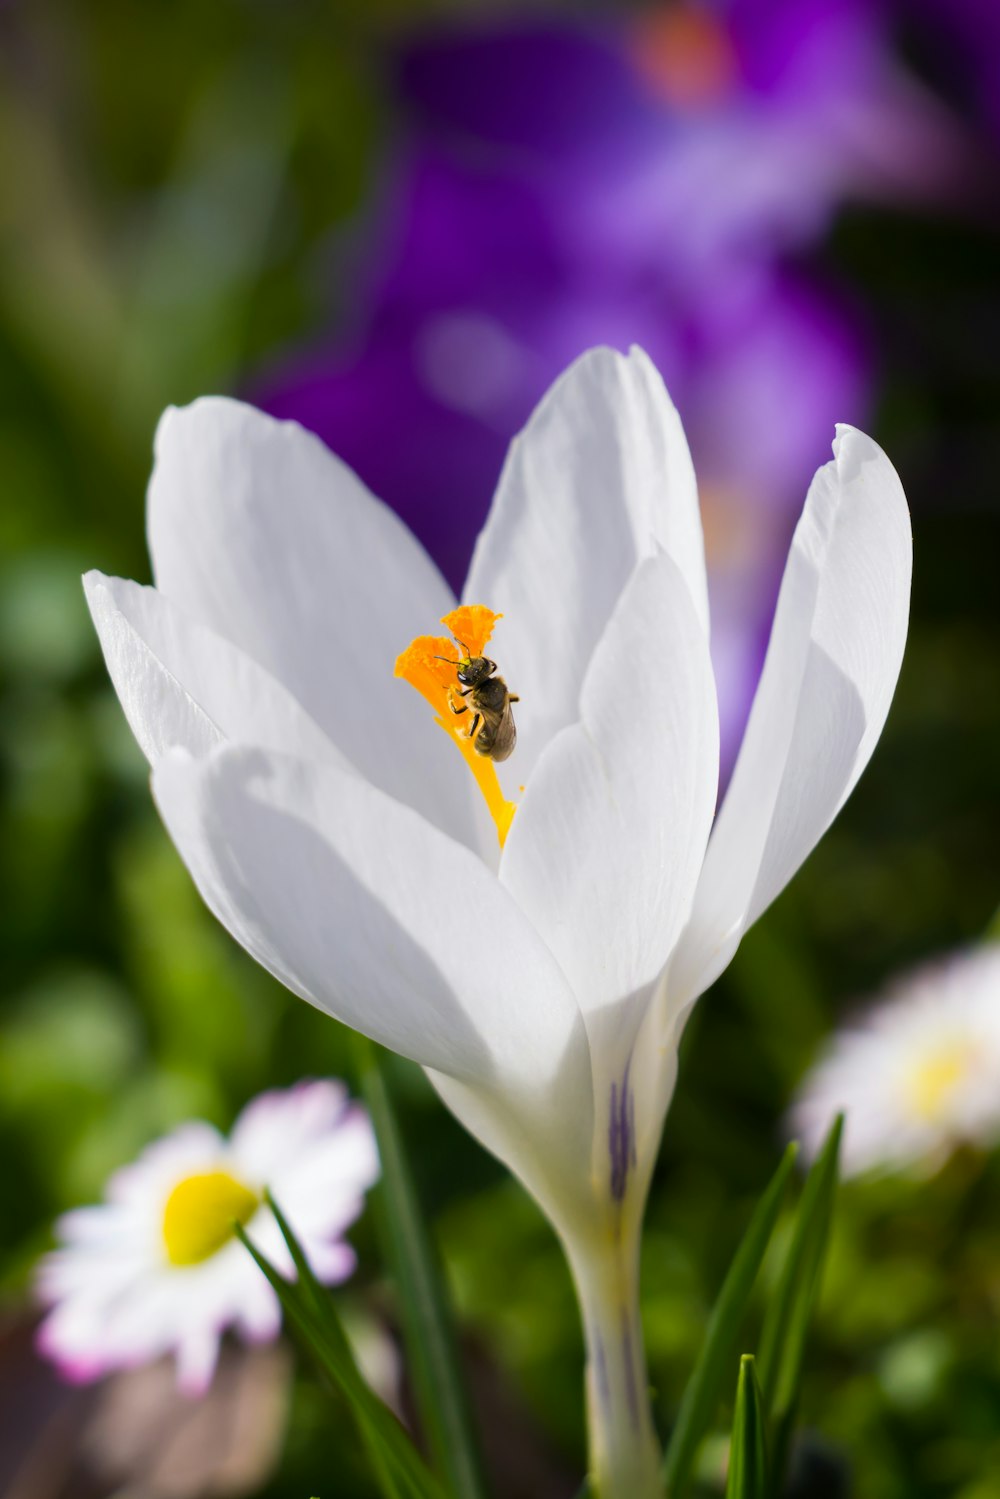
x=492, y=730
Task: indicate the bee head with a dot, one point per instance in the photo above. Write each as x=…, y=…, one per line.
x=472, y=671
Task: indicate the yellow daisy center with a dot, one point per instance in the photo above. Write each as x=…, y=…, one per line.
x=201, y=1215
x=436, y=681
x=935, y=1078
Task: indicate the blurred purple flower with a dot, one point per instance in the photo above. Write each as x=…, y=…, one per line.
x=692, y=140
x=564, y=186
x=479, y=309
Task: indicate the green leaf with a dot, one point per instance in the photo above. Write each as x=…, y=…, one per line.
x=786, y=1326
x=747, y=1452
x=311, y=1314
x=704, y=1388
x=428, y=1327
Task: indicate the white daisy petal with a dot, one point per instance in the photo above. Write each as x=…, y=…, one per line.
x=197, y=1355
x=330, y=1263
x=831, y=669
x=324, y=1189
x=276, y=1128
x=916, y=1074
x=600, y=478
x=259, y=532
x=314, y=1151
x=258, y=1316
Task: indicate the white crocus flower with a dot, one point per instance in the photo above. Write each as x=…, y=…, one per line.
x=156, y=1267
x=917, y=1074
x=331, y=827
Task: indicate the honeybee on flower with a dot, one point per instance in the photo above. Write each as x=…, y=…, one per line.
x=492, y=732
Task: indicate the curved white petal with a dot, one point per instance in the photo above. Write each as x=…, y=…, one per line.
x=832, y=663
x=361, y=907
x=183, y=686
x=599, y=478
x=605, y=852
x=544, y=1136
x=257, y=530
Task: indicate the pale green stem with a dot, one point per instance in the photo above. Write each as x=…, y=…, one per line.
x=624, y=1455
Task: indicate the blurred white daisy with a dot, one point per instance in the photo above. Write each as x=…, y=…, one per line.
x=156, y=1268
x=917, y=1074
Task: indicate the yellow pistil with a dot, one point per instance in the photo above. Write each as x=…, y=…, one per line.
x=436, y=681
x=934, y=1080
x=201, y=1214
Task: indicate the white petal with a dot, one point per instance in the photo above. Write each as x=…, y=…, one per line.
x=362, y=908
x=325, y=1189
x=257, y=530
x=315, y=1151
x=600, y=478
x=605, y=851
x=183, y=686
x=259, y=1315
x=831, y=669
x=331, y=1263
x=197, y=1354
x=275, y=1127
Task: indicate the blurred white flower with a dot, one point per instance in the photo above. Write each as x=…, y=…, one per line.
x=156, y=1267
x=917, y=1074
x=329, y=825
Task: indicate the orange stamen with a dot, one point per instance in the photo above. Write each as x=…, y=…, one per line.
x=436, y=681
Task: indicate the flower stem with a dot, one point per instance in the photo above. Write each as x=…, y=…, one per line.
x=624, y=1455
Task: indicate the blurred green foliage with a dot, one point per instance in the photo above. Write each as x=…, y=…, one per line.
x=171, y=175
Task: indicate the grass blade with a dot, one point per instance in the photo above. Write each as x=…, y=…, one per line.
x=786, y=1327
x=705, y=1387
x=315, y=1296
x=401, y=1472
x=427, y=1322
x=747, y=1452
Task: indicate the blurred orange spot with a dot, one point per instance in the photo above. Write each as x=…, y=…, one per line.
x=685, y=54
x=732, y=527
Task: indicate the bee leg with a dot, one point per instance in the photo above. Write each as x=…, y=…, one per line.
x=455, y=710
x=474, y=729
x=513, y=698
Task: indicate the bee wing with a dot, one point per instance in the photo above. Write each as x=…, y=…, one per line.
x=506, y=736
